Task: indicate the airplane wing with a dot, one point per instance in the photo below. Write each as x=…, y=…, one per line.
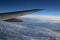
x=11, y=15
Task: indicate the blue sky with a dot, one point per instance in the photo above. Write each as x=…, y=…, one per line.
x=52, y=7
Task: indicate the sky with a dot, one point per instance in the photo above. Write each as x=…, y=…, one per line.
x=51, y=7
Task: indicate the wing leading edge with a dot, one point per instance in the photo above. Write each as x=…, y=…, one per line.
x=10, y=15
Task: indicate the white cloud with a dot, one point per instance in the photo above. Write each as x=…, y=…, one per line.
x=52, y=19
x=32, y=29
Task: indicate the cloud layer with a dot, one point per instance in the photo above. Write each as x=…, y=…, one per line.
x=52, y=19
x=33, y=28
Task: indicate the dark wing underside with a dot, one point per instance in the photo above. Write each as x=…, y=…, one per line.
x=14, y=20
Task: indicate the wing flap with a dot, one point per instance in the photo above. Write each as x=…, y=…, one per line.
x=13, y=20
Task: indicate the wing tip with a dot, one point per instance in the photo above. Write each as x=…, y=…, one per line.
x=39, y=9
